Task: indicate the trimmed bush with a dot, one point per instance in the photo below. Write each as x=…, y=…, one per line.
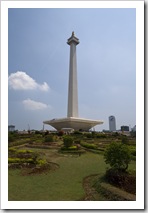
x=49, y=138
x=68, y=141
x=101, y=135
x=41, y=162
x=20, y=160
x=17, y=143
x=69, y=148
x=12, y=150
x=24, y=151
x=77, y=133
x=88, y=145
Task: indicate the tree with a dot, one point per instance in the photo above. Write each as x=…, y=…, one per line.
x=118, y=156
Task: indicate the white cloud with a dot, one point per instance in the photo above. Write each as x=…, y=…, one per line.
x=21, y=81
x=34, y=105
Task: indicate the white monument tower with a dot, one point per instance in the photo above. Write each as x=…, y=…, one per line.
x=72, y=120
x=73, y=88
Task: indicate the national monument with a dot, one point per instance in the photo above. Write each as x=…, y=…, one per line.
x=72, y=120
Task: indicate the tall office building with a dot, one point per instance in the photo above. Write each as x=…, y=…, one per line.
x=112, y=123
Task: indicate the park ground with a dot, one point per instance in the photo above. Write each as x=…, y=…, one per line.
x=74, y=175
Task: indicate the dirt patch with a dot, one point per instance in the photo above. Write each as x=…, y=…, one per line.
x=96, y=190
x=49, y=167
x=90, y=192
x=123, y=180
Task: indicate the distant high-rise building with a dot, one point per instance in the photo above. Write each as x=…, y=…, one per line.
x=112, y=123
x=11, y=128
x=125, y=128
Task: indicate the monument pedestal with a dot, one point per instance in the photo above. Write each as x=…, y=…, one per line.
x=74, y=123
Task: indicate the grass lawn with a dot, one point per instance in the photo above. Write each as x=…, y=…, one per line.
x=63, y=184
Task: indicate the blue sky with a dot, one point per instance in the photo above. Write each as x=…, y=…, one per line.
x=38, y=65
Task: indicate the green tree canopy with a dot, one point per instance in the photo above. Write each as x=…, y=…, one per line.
x=117, y=155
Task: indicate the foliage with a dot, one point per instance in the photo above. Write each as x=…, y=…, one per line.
x=23, y=151
x=115, y=134
x=77, y=133
x=78, y=141
x=133, y=150
x=117, y=155
x=88, y=145
x=124, y=139
x=88, y=135
x=121, y=179
x=17, y=143
x=49, y=138
x=46, y=133
x=37, y=132
x=52, y=185
x=20, y=160
x=101, y=135
x=41, y=162
x=68, y=141
x=12, y=149
x=69, y=148
x=11, y=137
x=60, y=133
x=133, y=134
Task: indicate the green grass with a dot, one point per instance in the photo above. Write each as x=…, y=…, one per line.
x=63, y=184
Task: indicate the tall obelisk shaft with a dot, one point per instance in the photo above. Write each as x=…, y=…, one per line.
x=72, y=89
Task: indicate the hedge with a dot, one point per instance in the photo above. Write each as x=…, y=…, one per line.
x=88, y=145
x=69, y=148
x=20, y=160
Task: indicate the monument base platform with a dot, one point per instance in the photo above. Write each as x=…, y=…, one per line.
x=73, y=122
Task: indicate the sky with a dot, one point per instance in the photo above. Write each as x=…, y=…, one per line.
x=38, y=65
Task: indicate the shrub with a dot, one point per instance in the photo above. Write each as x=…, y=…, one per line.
x=60, y=133
x=100, y=135
x=20, y=160
x=12, y=150
x=88, y=145
x=77, y=133
x=88, y=135
x=17, y=143
x=133, y=150
x=117, y=155
x=37, y=132
x=69, y=148
x=46, y=133
x=11, y=138
x=121, y=179
x=78, y=141
x=68, y=141
x=24, y=151
x=41, y=162
x=49, y=138
x=124, y=139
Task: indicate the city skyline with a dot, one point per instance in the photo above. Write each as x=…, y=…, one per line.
x=39, y=65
